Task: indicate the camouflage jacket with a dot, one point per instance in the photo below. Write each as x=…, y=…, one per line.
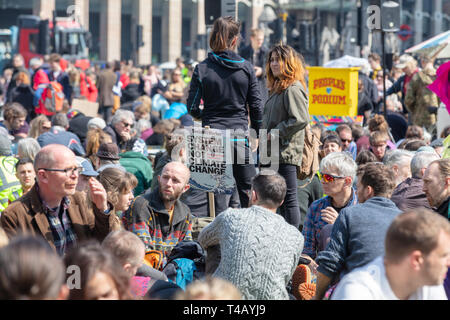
x=418, y=98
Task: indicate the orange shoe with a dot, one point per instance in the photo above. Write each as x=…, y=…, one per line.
x=307, y=291
x=302, y=275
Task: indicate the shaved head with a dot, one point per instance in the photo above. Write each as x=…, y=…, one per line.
x=178, y=167
x=173, y=181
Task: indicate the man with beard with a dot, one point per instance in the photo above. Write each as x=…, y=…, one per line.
x=158, y=217
x=436, y=185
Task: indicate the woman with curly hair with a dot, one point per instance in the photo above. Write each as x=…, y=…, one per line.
x=286, y=117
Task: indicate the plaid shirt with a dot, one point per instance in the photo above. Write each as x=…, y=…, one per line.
x=61, y=226
x=314, y=223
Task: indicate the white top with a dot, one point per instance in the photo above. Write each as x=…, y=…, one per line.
x=369, y=282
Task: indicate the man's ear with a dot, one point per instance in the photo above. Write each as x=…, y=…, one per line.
x=369, y=191
x=395, y=169
x=416, y=260
x=422, y=171
x=254, y=196
x=42, y=175
x=127, y=267
x=348, y=182
x=186, y=187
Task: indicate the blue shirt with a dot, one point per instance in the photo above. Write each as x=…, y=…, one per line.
x=314, y=222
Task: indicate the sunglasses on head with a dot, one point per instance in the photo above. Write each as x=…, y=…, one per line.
x=329, y=177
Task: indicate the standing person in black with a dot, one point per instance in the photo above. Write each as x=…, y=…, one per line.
x=256, y=53
x=227, y=84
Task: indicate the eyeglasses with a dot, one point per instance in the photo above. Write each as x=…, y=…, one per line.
x=126, y=124
x=177, y=74
x=329, y=177
x=69, y=171
x=347, y=140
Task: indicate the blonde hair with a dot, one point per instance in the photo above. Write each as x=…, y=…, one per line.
x=35, y=126
x=291, y=69
x=210, y=288
x=95, y=137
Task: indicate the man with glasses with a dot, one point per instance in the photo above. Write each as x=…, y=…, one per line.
x=121, y=133
x=358, y=232
x=345, y=134
x=54, y=210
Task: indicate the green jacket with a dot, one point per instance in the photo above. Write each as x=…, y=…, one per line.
x=288, y=112
x=139, y=165
x=10, y=187
x=418, y=98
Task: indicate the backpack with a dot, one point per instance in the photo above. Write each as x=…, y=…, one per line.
x=186, y=263
x=180, y=271
x=310, y=156
x=52, y=99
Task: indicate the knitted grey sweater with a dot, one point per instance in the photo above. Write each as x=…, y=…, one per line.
x=259, y=251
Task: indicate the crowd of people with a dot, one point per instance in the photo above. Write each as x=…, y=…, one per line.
x=86, y=212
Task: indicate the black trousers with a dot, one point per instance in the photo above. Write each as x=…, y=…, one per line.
x=243, y=167
x=290, y=209
x=106, y=113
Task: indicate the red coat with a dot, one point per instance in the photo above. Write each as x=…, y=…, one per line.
x=39, y=77
x=88, y=88
x=125, y=79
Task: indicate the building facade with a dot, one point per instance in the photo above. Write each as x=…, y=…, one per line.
x=147, y=31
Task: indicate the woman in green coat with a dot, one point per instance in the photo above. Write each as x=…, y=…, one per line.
x=285, y=118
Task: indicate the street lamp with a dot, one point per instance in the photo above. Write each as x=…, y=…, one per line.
x=390, y=17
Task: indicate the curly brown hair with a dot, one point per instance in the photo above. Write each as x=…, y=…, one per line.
x=291, y=68
x=378, y=123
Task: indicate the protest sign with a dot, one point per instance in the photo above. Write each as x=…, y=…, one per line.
x=207, y=154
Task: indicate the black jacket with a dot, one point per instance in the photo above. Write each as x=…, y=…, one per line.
x=131, y=93
x=370, y=88
x=24, y=95
x=260, y=61
x=227, y=83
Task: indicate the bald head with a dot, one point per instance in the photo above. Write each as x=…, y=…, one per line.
x=50, y=154
x=180, y=168
x=173, y=182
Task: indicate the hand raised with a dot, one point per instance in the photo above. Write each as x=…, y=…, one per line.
x=329, y=215
x=98, y=194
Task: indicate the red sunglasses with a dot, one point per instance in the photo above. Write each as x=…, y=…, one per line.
x=329, y=177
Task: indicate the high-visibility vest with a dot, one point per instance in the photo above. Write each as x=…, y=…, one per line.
x=10, y=187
